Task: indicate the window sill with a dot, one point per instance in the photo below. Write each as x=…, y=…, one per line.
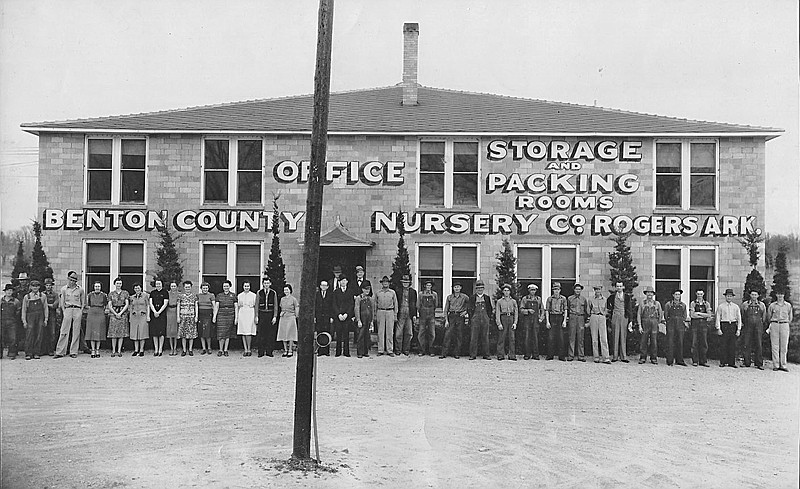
x=109, y=205
x=454, y=209
x=225, y=205
x=694, y=211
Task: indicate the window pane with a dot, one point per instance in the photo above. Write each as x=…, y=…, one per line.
x=133, y=153
x=704, y=157
x=465, y=157
x=465, y=261
x=431, y=260
x=132, y=186
x=99, y=185
x=131, y=258
x=703, y=191
x=214, y=283
x=465, y=189
x=529, y=263
x=668, y=157
x=216, y=154
x=98, y=257
x=250, y=155
x=248, y=261
x=253, y=280
x=701, y=257
x=668, y=190
x=249, y=186
x=104, y=279
x=431, y=189
x=100, y=153
x=438, y=287
x=216, y=186
x=215, y=259
x=431, y=156
x=562, y=262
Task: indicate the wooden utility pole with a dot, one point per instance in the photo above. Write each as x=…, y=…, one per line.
x=308, y=282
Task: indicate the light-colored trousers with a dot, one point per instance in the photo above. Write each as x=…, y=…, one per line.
x=597, y=326
x=71, y=322
x=385, y=320
x=779, y=338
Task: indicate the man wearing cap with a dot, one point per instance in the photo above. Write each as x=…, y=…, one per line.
x=729, y=326
x=532, y=315
x=578, y=317
x=34, y=317
x=479, y=309
x=10, y=312
x=266, y=330
x=506, y=318
x=455, y=315
x=386, y=302
x=50, y=330
x=323, y=315
x=677, y=318
x=648, y=316
x=406, y=317
x=755, y=318
x=597, y=325
x=22, y=288
x=619, y=310
x=361, y=280
x=72, y=302
x=701, y=313
x=343, y=310
x=426, y=326
x=557, y=316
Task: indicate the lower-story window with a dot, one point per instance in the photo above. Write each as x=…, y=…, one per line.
x=544, y=264
x=687, y=268
x=104, y=261
x=445, y=264
x=238, y=262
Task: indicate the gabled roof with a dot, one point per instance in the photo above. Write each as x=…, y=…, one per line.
x=379, y=111
x=339, y=235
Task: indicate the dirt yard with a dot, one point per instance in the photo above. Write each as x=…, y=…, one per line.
x=396, y=422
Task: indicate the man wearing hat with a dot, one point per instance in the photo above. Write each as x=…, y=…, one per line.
x=648, y=316
x=386, y=315
x=729, y=326
x=10, y=311
x=50, y=331
x=557, y=316
x=337, y=275
x=34, y=317
x=72, y=302
x=532, y=315
x=343, y=315
x=361, y=280
x=701, y=313
x=676, y=316
x=455, y=315
x=620, y=315
x=23, y=286
x=426, y=326
x=406, y=317
x=597, y=325
x=578, y=317
x=479, y=309
x=506, y=318
x=323, y=315
x=755, y=318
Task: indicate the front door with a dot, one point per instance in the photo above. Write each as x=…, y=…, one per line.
x=346, y=257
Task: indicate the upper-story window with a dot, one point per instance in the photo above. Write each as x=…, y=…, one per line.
x=686, y=174
x=448, y=173
x=232, y=171
x=116, y=170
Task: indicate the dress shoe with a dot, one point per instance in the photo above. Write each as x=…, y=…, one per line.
x=783, y=369
x=625, y=360
x=183, y=353
x=513, y=359
x=191, y=353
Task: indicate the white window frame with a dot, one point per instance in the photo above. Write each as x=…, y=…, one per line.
x=688, y=294
x=116, y=168
x=233, y=170
x=447, y=257
x=449, y=170
x=686, y=173
x=547, y=262
x=114, y=259
x=230, y=263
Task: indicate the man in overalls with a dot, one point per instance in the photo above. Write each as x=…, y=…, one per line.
x=755, y=318
x=51, y=329
x=479, y=311
x=532, y=312
x=676, y=317
x=426, y=326
x=701, y=313
x=649, y=315
x=34, y=317
x=365, y=310
x=10, y=309
x=557, y=316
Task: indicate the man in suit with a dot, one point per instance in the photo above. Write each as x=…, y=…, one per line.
x=343, y=309
x=337, y=275
x=479, y=310
x=323, y=314
x=266, y=329
x=406, y=317
x=360, y=280
x=619, y=308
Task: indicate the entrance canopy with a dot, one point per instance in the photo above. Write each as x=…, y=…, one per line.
x=339, y=236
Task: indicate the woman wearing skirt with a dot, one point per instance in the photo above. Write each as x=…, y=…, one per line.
x=96, y=318
x=187, y=318
x=287, y=327
x=247, y=319
x=158, y=317
x=205, y=311
x=118, y=303
x=140, y=314
x=224, y=316
x=172, y=317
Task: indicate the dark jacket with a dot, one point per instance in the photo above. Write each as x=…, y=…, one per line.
x=630, y=314
x=487, y=302
x=268, y=302
x=412, y=300
x=357, y=286
x=343, y=303
x=323, y=310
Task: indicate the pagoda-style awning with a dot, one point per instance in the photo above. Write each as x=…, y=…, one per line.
x=340, y=236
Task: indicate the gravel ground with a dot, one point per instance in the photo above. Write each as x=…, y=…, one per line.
x=396, y=422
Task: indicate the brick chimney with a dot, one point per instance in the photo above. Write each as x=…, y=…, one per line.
x=410, y=49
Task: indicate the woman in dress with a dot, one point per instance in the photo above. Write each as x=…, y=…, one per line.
x=225, y=316
x=172, y=317
x=140, y=314
x=205, y=315
x=246, y=319
x=287, y=328
x=158, y=317
x=118, y=303
x=187, y=318
x=96, y=318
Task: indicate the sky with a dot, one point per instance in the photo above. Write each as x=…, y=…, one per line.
x=732, y=61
